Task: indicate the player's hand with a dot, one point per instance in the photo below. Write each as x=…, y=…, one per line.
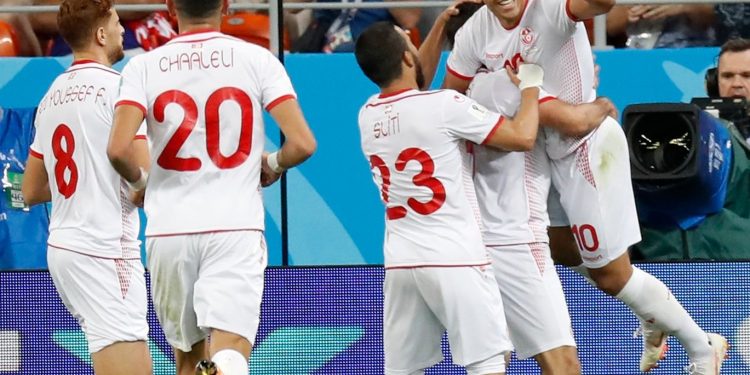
x=607, y=105
x=654, y=12
x=267, y=175
x=137, y=197
x=452, y=9
x=529, y=75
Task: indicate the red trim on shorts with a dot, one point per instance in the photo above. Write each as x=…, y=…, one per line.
x=457, y=74
x=436, y=266
x=203, y=232
x=35, y=154
x=547, y=99
x=133, y=104
x=141, y=137
x=419, y=93
x=494, y=129
x=278, y=101
x=89, y=255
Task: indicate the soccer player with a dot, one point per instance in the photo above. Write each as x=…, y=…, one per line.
x=590, y=169
x=202, y=95
x=438, y=273
x=93, y=249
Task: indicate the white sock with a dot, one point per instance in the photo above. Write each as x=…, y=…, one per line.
x=230, y=362
x=656, y=307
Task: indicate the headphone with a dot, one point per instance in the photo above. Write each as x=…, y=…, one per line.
x=712, y=82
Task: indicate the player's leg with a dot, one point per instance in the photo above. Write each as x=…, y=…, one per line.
x=535, y=307
x=123, y=358
x=108, y=298
x=174, y=262
x=411, y=331
x=467, y=302
x=185, y=361
x=228, y=294
x=598, y=199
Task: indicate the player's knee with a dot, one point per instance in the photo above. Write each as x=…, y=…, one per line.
x=491, y=365
x=230, y=362
x=610, y=283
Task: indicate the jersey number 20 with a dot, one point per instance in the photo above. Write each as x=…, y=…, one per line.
x=168, y=158
x=423, y=178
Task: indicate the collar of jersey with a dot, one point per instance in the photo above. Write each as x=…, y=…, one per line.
x=518, y=22
x=202, y=32
x=86, y=63
x=395, y=93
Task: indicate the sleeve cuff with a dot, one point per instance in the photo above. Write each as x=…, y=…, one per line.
x=36, y=154
x=278, y=101
x=140, y=137
x=547, y=99
x=569, y=13
x=134, y=104
x=494, y=129
x=457, y=74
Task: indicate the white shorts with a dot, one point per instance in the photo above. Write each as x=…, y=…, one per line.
x=597, y=195
x=207, y=281
x=422, y=303
x=106, y=296
x=533, y=298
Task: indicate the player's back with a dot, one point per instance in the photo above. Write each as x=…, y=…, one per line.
x=512, y=187
x=415, y=153
x=203, y=95
x=91, y=212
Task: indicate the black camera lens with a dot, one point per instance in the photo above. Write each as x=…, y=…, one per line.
x=662, y=142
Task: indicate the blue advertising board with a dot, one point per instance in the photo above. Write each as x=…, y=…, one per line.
x=328, y=320
x=335, y=216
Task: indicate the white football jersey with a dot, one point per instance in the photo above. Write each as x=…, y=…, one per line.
x=203, y=95
x=512, y=187
x=415, y=141
x=547, y=35
x=91, y=212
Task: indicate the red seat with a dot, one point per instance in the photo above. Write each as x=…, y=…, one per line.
x=8, y=40
x=251, y=27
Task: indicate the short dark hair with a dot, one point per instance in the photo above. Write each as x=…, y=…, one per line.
x=198, y=8
x=379, y=50
x=465, y=11
x=78, y=19
x=735, y=45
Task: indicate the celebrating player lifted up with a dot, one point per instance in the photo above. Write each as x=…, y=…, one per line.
x=202, y=95
x=590, y=169
x=438, y=273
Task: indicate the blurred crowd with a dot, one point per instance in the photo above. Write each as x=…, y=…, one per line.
x=638, y=26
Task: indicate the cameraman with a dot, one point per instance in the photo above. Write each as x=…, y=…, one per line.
x=733, y=74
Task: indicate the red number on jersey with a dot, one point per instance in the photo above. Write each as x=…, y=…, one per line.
x=168, y=158
x=513, y=62
x=423, y=178
x=586, y=237
x=65, y=160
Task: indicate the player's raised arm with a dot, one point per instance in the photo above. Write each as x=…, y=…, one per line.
x=519, y=133
x=585, y=9
x=299, y=144
x=575, y=120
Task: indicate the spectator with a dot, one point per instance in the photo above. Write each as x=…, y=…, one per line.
x=732, y=21
x=144, y=31
x=335, y=30
x=661, y=26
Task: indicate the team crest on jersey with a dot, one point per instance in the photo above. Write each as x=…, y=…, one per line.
x=478, y=111
x=527, y=36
